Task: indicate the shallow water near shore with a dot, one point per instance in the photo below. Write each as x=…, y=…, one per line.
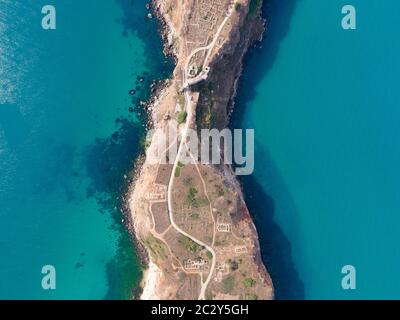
x=324, y=104
x=69, y=133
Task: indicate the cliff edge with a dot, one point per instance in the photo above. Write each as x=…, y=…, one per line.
x=190, y=214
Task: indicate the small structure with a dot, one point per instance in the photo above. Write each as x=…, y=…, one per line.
x=190, y=264
x=223, y=227
x=240, y=249
x=221, y=271
x=159, y=193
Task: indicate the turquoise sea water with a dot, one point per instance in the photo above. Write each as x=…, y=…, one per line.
x=323, y=102
x=325, y=107
x=69, y=131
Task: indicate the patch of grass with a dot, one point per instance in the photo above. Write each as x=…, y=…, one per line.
x=204, y=116
x=155, y=246
x=181, y=117
x=251, y=296
x=209, y=255
x=191, y=196
x=189, y=244
x=228, y=284
x=202, y=202
x=207, y=117
x=192, y=200
x=178, y=168
x=249, y=282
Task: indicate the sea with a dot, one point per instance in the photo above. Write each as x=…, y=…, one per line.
x=70, y=131
x=325, y=106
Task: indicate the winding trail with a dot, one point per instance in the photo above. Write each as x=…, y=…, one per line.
x=190, y=115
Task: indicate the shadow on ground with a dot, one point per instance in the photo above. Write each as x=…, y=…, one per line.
x=275, y=248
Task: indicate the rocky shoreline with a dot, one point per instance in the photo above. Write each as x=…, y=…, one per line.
x=157, y=89
x=147, y=289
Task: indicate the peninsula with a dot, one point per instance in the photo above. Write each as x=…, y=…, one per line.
x=190, y=216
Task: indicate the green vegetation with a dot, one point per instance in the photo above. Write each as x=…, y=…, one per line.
x=177, y=172
x=207, y=116
x=228, y=284
x=238, y=6
x=255, y=5
x=249, y=282
x=209, y=255
x=201, y=202
x=192, y=200
x=155, y=246
x=251, y=296
x=189, y=244
x=204, y=117
x=191, y=196
x=181, y=117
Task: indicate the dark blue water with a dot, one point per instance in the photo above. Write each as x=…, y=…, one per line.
x=69, y=135
x=325, y=107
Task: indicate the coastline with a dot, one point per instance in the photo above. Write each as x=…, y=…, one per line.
x=149, y=281
x=152, y=273
x=149, y=271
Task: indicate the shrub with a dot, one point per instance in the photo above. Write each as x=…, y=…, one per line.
x=181, y=117
x=189, y=244
x=249, y=282
x=228, y=284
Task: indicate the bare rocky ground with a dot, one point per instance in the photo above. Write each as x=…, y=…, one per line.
x=191, y=218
